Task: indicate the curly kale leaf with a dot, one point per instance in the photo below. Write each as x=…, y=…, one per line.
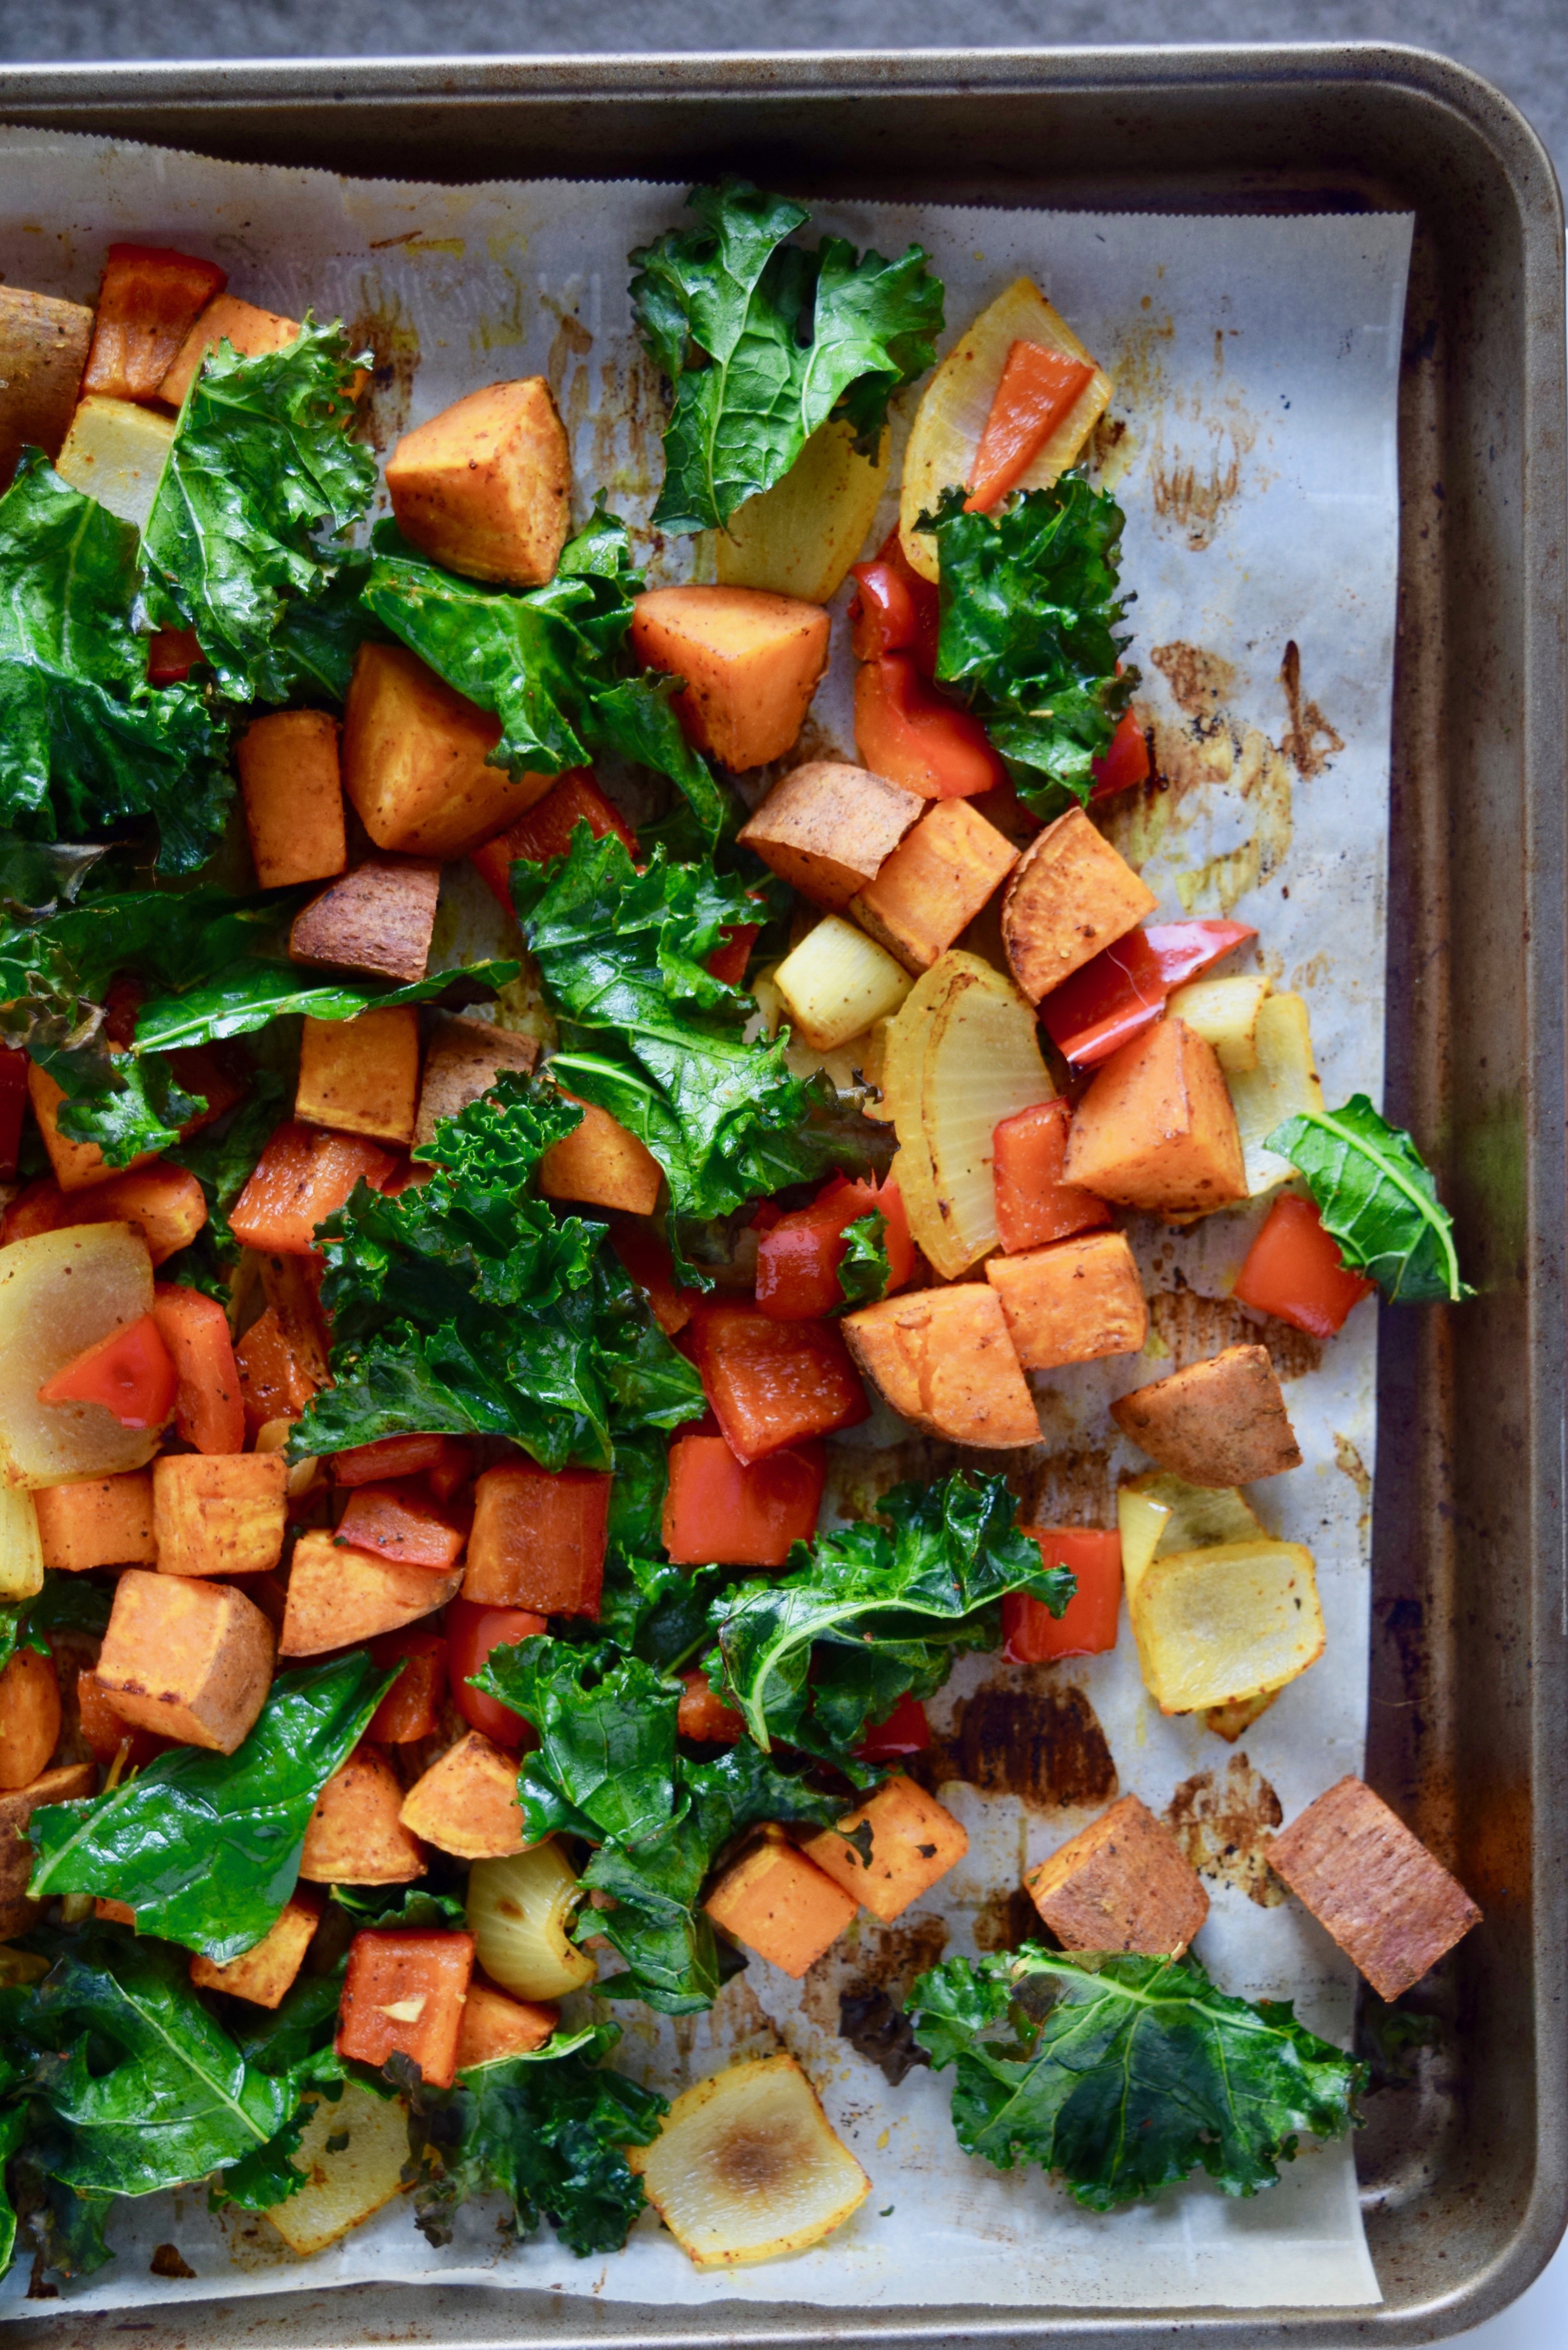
x=1122, y=2076
x=873, y=1611
x=465, y=1306
x=650, y=1037
x=260, y=483
x=1030, y=606
x=764, y=341
x=85, y=742
x=553, y=664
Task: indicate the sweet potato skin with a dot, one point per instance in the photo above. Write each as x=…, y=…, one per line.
x=485, y=487
x=98, y=1522
x=1156, y=1129
x=292, y=786
x=362, y=1075
x=1071, y=894
x=377, y=919
x=190, y=1660
x=338, y=1596
x=1073, y=1302
x=1393, y=1908
x=828, y=827
x=43, y=350
x=415, y=760
x=751, y=662
x=467, y=1803
x=934, y=884
x=944, y=1360
x=463, y=1061
x=1219, y=1422
x=1121, y=1884
x=354, y=1835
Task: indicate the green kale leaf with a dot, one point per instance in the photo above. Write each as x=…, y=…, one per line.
x=1030, y=604
x=553, y=663
x=607, y=1736
x=764, y=341
x=548, y=2131
x=1377, y=1199
x=1121, y=2076
x=204, y=1847
x=85, y=742
x=249, y=996
x=650, y=1037
x=864, y=1272
x=873, y=1611
x=260, y=481
x=466, y=1306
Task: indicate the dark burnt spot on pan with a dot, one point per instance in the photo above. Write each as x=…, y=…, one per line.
x=1030, y=1736
x=1194, y=1327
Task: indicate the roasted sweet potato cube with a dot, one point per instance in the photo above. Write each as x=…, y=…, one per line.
x=943, y=1359
x=485, y=487
x=780, y=1904
x=935, y=883
x=362, y=1075
x=1071, y=894
x=192, y=1660
x=116, y=1913
x=828, y=828
x=601, y=1165
x=751, y=661
x=67, y=1782
x=265, y=1972
x=339, y=1596
x=219, y=1512
x=402, y=1521
x=1219, y=1422
x=403, y=1995
x=463, y=1061
x=249, y=331
x=415, y=758
x=275, y=1382
x=166, y=1204
x=1073, y=1302
x=467, y=1803
x=1374, y=1887
x=354, y=1835
x=1156, y=1129
x=292, y=786
x=30, y=1717
x=76, y=1165
x=1121, y=1884
x=914, y=1840
x=377, y=919
x=538, y=1539
x=494, y=2027
x=301, y=1177
x=149, y=298
x=43, y=350
x=97, y=1521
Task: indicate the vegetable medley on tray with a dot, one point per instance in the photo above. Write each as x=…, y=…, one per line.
x=423, y=1634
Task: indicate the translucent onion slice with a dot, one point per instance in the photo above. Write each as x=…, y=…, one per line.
x=956, y=402
x=60, y=1292
x=353, y=2155
x=747, y=2167
x=1216, y=1624
x=1283, y=1083
x=800, y=537
x=518, y=1911
x=21, y=1548
x=962, y=1055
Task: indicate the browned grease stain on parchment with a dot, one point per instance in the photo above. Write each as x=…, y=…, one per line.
x=384, y=326
x=1200, y=682
x=857, y=1988
x=1300, y=744
x=1006, y=1919
x=1224, y=1824
x=1029, y=1736
x=1193, y=1327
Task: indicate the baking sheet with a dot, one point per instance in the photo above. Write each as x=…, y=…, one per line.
x=1254, y=447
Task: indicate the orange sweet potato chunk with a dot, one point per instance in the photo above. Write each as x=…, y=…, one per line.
x=379, y=918
x=362, y=1075
x=355, y=1835
x=485, y=487
x=338, y=1596
x=226, y=320
x=414, y=760
x=1073, y=1302
x=67, y=1783
x=1156, y=1129
x=828, y=827
x=781, y=1905
x=467, y=1803
x=29, y=1718
x=219, y=1512
x=601, y=1165
x=265, y=1972
x=915, y=1840
x=97, y=1521
x=943, y=1359
x=751, y=661
x=494, y=2027
x=293, y=793
x=462, y=1060
x=1071, y=894
x=934, y=884
x=190, y=1660
x=1219, y=1422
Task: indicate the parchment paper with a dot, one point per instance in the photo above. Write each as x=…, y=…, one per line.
x=1252, y=444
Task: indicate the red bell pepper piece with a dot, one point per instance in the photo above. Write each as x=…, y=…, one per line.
x=799, y=1255
x=893, y=610
x=471, y=1631
x=277, y=1381
x=703, y=1715
x=1296, y=1272
x=452, y=1468
x=1087, y=1626
x=403, y=1994
x=1124, y=763
x=38, y=1207
x=729, y=959
x=773, y=1383
x=147, y=302
x=1120, y=992
x=13, y=1106
x=1034, y=1205
x=128, y=1373
x=1036, y=394
x=172, y=655
x=402, y=1521
x=305, y=1174
x=411, y=1707
x=396, y=1456
x=721, y=1512
x=908, y=731
x=544, y=831
x=209, y=1411
x=905, y=1731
